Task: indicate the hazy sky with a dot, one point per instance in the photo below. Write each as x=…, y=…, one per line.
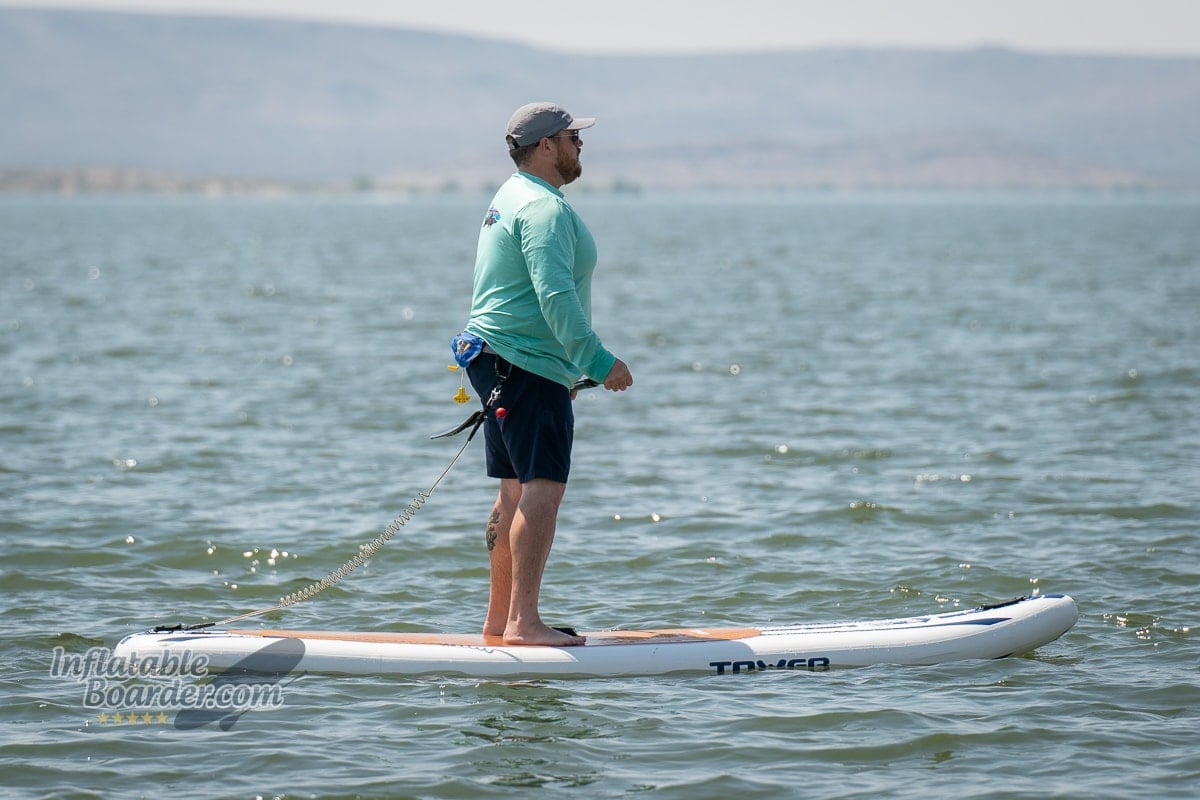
x=1153, y=27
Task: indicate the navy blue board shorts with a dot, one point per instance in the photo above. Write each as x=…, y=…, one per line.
x=534, y=438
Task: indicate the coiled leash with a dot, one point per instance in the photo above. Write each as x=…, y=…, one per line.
x=365, y=552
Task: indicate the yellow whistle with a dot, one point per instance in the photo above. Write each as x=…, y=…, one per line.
x=462, y=396
x=452, y=367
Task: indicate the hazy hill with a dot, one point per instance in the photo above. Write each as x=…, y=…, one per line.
x=294, y=101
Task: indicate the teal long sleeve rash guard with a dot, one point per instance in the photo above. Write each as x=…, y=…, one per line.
x=532, y=287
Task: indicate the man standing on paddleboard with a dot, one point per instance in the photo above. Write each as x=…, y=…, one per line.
x=528, y=339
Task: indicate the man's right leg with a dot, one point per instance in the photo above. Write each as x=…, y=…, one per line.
x=530, y=537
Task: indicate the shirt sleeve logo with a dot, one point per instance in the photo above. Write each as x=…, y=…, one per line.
x=492, y=217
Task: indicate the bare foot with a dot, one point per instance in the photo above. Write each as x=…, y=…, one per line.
x=543, y=635
x=494, y=624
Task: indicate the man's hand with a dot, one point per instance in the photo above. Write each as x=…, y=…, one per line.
x=619, y=377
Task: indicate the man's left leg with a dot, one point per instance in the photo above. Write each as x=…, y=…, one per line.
x=500, y=556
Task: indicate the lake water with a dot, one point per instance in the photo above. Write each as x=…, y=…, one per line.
x=845, y=407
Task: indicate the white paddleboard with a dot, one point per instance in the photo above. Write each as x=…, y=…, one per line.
x=1005, y=629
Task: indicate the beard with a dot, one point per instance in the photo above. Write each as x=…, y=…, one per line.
x=568, y=166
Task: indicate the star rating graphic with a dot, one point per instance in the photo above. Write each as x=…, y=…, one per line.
x=131, y=718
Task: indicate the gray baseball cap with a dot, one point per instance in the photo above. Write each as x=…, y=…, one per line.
x=530, y=123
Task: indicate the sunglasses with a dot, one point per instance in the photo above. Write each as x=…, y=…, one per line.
x=572, y=135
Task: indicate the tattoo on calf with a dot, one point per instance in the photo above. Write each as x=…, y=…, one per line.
x=493, y=521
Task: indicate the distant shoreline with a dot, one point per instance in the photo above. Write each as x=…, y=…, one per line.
x=178, y=104
x=116, y=181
